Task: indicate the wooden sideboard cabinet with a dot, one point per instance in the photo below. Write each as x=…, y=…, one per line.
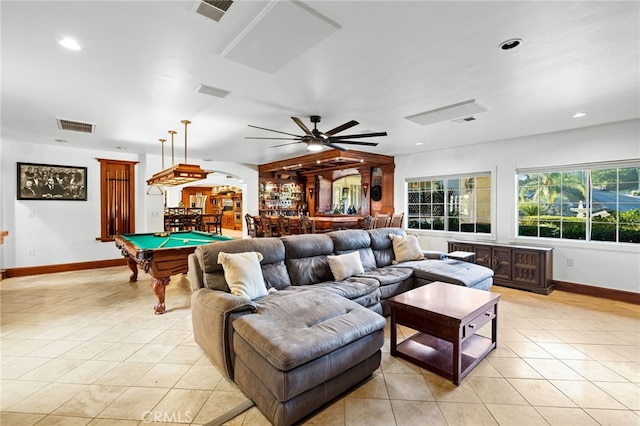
x=524, y=267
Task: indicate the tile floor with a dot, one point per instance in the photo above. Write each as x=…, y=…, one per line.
x=84, y=347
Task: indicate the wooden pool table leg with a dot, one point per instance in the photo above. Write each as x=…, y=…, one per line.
x=158, y=286
x=134, y=269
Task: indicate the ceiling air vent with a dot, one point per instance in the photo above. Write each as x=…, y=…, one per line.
x=75, y=126
x=213, y=9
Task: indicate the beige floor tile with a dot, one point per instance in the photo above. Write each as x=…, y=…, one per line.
x=391, y=364
x=466, y=414
x=514, y=367
x=626, y=393
x=528, y=350
x=563, y=351
x=495, y=391
x=373, y=388
x=201, y=377
x=410, y=387
x=541, y=393
x=593, y=370
x=179, y=405
x=628, y=370
x=112, y=422
x=369, y=412
x=163, y=375
x=330, y=415
x=614, y=417
x=54, y=420
x=20, y=419
x=151, y=353
x=88, y=372
x=91, y=401
x=52, y=370
x=563, y=416
x=540, y=336
x=444, y=390
x=587, y=395
x=14, y=391
x=125, y=373
x=15, y=367
x=86, y=350
x=119, y=351
x=22, y=347
x=48, y=398
x=554, y=369
x=134, y=403
x=144, y=335
x=512, y=415
x=183, y=354
x=417, y=412
x=218, y=404
x=55, y=348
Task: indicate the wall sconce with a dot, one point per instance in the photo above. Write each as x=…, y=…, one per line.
x=365, y=188
x=311, y=193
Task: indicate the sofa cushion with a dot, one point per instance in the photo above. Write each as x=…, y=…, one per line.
x=405, y=248
x=296, y=328
x=381, y=245
x=274, y=270
x=306, y=258
x=389, y=275
x=349, y=240
x=243, y=273
x=450, y=271
x=352, y=288
x=345, y=265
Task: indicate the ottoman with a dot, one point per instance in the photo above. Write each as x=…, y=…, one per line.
x=299, y=351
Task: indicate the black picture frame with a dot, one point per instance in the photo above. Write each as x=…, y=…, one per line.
x=51, y=182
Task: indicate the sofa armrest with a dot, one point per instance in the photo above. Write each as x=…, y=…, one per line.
x=212, y=312
x=433, y=254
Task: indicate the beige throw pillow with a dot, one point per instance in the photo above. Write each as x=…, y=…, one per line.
x=345, y=265
x=405, y=248
x=243, y=273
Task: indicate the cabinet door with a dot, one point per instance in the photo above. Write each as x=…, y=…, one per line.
x=501, y=263
x=527, y=267
x=484, y=256
x=456, y=246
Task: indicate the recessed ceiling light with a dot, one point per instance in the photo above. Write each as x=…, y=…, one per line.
x=70, y=44
x=579, y=114
x=512, y=43
x=419, y=143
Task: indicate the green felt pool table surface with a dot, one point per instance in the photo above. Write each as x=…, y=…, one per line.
x=152, y=241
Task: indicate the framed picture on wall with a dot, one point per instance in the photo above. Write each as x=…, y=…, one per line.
x=51, y=182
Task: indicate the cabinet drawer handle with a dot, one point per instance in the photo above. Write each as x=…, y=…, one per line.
x=472, y=326
x=488, y=314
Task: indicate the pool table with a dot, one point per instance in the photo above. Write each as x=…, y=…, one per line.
x=161, y=255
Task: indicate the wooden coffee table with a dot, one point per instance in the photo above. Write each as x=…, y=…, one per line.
x=447, y=317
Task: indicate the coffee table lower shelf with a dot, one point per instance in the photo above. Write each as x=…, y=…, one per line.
x=436, y=355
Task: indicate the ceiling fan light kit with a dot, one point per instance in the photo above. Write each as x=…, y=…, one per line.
x=316, y=140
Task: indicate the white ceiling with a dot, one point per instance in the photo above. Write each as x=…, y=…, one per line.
x=142, y=61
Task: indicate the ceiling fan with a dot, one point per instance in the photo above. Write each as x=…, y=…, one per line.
x=315, y=139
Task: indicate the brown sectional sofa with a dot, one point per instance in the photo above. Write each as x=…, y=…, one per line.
x=299, y=347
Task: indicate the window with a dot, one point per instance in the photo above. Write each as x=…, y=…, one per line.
x=455, y=203
x=597, y=202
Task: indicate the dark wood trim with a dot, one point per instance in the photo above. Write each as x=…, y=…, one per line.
x=64, y=267
x=605, y=293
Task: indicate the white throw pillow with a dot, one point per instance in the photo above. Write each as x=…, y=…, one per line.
x=405, y=248
x=243, y=273
x=345, y=265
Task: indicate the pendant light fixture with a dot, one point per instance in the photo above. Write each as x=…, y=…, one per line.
x=177, y=174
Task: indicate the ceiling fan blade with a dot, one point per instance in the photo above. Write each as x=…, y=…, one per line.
x=300, y=124
x=339, y=148
x=342, y=128
x=277, y=131
x=283, y=144
x=363, y=135
x=279, y=139
x=357, y=143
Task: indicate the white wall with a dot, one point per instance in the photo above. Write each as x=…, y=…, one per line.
x=62, y=232
x=599, y=264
